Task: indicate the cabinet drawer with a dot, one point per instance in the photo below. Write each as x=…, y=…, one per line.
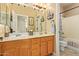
x=43, y=43
x=44, y=39
x=50, y=38
x=24, y=42
x=35, y=46
x=34, y=41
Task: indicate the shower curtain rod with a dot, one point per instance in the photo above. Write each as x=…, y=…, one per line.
x=69, y=9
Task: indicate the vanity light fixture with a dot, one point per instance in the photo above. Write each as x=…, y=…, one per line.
x=39, y=6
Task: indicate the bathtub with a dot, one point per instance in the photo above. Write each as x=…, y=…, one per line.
x=71, y=43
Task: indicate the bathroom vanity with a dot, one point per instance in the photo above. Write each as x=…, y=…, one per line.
x=28, y=33
x=42, y=45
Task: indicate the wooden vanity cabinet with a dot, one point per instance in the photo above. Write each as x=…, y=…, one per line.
x=11, y=52
x=44, y=47
x=41, y=46
x=25, y=47
x=17, y=48
x=36, y=47
x=50, y=44
x=0, y=49
x=10, y=48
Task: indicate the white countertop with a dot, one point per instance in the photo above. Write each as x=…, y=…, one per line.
x=24, y=37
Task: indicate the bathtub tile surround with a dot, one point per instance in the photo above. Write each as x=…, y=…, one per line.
x=74, y=45
x=69, y=52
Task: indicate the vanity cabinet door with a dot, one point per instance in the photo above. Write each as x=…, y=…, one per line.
x=11, y=52
x=0, y=49
x=36, y=47
x=25, y=47
x=43, y=47
x=50, y=45
x=10, y=48
x=17, y=48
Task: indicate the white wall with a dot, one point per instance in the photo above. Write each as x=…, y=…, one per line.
x=70, y=26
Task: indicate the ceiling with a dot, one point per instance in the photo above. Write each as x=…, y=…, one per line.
x=69, y=9
x=64, y=6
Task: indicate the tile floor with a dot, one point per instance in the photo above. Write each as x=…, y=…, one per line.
x=69, y=52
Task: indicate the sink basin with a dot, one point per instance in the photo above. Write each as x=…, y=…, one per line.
x=18, y=34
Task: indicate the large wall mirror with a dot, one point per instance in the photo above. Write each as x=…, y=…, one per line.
x=4, y=23
x=22, y=23
x=5, y=18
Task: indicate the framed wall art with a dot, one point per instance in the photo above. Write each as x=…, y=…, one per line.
x=31, y=21
x=50, y=15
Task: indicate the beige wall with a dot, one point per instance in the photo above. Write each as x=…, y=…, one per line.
x=48, y=22
x=28, y=11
